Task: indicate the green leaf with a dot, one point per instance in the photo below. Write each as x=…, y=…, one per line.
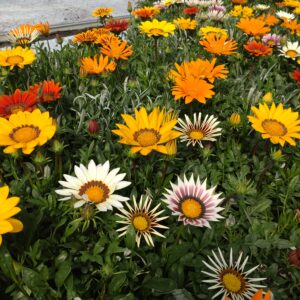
x=130, y=238
x=162, y=285
x=262, y=244
x=63, y=272
x=116, y=283
x=283, y=244
x=182, y=294
x=6, y=264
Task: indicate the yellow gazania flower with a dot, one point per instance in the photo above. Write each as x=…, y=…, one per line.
x=238, y=10
x=16, y=57
x=185, y=24
x=157, y=28
x=102, y=12
x=97, y=65
x=7, y=210
x=235, y=119
x=276, y=123
x=207, y=30
x=218, y=45
x=148, y=132
x=26, y=130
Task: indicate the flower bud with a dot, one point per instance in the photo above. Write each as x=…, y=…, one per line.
x=93, y=127
x=59, y=39
x=57, y=146
x=40, y=159
x=294, y=257
x=235, y=119
x=268, y=97
x=129, y=6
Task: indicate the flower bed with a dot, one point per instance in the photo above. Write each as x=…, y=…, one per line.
x=155, y=157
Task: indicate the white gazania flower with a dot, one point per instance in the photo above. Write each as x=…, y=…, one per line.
x=291, y=50
x=205, y=3
x=261, y=6
x=193, y=202
x=231, y=279
x=94, y=184
x=143, y=220
x=23, y=35
x=199, y=130
x=283, y=15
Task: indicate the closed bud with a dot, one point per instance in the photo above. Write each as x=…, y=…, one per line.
x=277, y=155
x=94, y=83
x=59, y=39
x=230, y=221
x=87, y=212
x=93, y=127
x=129, y=6
x=40, y=159
x=268, y=97
x=235, y=119
x=57, y=146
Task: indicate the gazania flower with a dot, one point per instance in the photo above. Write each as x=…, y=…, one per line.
x=23, y=35
x=147, y=12
x=258, y=49
x=296, y=76
x=199, y=69
x=97, y=65
x=199, y=130
x=147, y=132
x=143, y=220
x=261, y=7
x=235, y=119
x=102, y=12
x=293, y=26
x=16, y=57
x=207, y=30
x=42, y=28
x=87, y=37
x=269, y=19
x=283, y=15
x=276, y=123
x=8, y=208
x=106, y=39
x=252, y=26
x=239, y=1
x=26, y=130
x=117, y=50
x=18, y=101
x=230, y=278
x=157, y=28
x=259, y=295
x=95, y=184
x=47, y=91
x=193, y=203
x=117, y=26
x=218, y=45
x=192, y=88
x=101, y=31
x=291, y=50
x=271, y=40
x=185, y=24
x=216, y=12
x=191, y=11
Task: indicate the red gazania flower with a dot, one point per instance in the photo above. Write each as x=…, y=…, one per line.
x=117, y=26
x=296, y=76
x=18, y=101
x=47, y=91
x=258, y=49
x=191, y=10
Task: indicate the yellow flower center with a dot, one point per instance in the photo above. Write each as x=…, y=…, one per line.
x=23, y=41
x=274, y=127
x=14, y=60
x=48, y=97
x=232, y=282
x=96, y=191
x=156, y=31
x=25, y=133
x=192, y=208
x=13, y=109
x=196, y=134
x=140, y=222
x=292, y=53
x=147, y=137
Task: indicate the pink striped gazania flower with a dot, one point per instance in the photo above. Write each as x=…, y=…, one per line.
x=193, y=203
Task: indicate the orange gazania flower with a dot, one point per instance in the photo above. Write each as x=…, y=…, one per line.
x=106, y=39
x=258, y=49
x=239, y=1
x=219, y=45
x=47, y=91
x=193, y=89
x=252, y=26
x=43, y=28
x=269, y=19
x=202, y=69
x=18, y=101
x=102, y=12
x=147, y=12
x=292, y=25
x=101, y=31
x=117, y=50
x=99, y=64
x=117, y=26
x=23, y=35
x=258, y=296
x=86, y=37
